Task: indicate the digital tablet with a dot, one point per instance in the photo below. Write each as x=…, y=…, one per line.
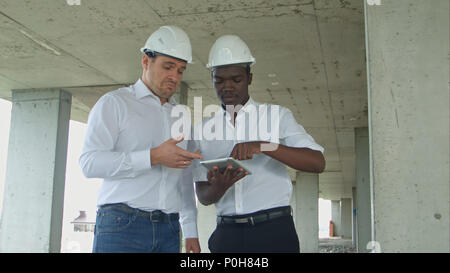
x=222, y=163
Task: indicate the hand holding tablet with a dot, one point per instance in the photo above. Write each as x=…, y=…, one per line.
x=223, y=163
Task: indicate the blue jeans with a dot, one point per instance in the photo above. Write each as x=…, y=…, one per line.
x=120, y=232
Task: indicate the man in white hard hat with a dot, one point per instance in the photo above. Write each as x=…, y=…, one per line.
x=128, y=144
x=253, y=212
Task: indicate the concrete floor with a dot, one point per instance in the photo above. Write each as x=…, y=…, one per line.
x=336, y=245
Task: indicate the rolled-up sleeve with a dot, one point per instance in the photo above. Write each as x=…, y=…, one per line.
x=293, y=134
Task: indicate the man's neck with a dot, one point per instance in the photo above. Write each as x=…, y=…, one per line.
x=161, y=99
x=233, y=110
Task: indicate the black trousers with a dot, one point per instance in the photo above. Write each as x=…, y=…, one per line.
x=274, y=236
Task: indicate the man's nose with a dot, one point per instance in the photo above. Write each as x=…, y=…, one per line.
x=228, y=85
x=175, y=77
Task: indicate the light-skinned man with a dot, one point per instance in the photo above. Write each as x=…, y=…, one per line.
x=142, y=200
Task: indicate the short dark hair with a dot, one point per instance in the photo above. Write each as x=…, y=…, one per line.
x=247, y=68
x=153, y=54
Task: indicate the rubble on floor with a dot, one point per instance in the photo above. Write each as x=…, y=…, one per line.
x=336, y=245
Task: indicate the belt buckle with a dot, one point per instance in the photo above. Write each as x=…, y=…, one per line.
x=155, y=216
x=251, y=221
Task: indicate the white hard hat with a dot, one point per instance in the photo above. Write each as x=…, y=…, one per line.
x=229, y=49
x=171, y=41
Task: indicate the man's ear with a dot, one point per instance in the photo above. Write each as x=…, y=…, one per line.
x=145, y=60
x=250, y=76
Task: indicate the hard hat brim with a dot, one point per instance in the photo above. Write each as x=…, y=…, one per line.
x=251, y=63
x=145, y=50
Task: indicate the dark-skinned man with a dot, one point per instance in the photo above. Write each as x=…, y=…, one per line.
x=253, y=212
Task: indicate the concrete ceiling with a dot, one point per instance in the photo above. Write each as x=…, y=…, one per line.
x=310, y=57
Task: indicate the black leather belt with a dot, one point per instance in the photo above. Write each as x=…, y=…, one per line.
x=255, y=218
x=154, y=216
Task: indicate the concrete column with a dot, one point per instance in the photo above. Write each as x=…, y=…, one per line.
x=206, y=222
x=354, y=219
x=35, y=175
x=293, y=202
x=408, y=89
x=181, y=96
x=307, y=211
x=336, y=217
x=206, y=217
x=346, y=218
x=363, y=198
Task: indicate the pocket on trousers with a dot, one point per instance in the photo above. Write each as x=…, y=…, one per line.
x=112, y=221
x=211, y=242
x=174, y=227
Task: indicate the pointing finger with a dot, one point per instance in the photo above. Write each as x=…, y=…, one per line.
x=189, y=155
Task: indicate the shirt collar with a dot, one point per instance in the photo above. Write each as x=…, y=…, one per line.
x=242, y=110
x=141, y=91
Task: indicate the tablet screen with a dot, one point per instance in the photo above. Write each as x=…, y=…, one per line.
x=222, y=163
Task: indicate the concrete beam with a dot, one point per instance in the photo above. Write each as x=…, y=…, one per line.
x=35, y=175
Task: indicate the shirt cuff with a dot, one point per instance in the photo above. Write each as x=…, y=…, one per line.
x=189, y=230
x=140, y=160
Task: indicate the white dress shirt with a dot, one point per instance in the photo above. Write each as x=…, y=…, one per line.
x=269, y=185
x=122, y=128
